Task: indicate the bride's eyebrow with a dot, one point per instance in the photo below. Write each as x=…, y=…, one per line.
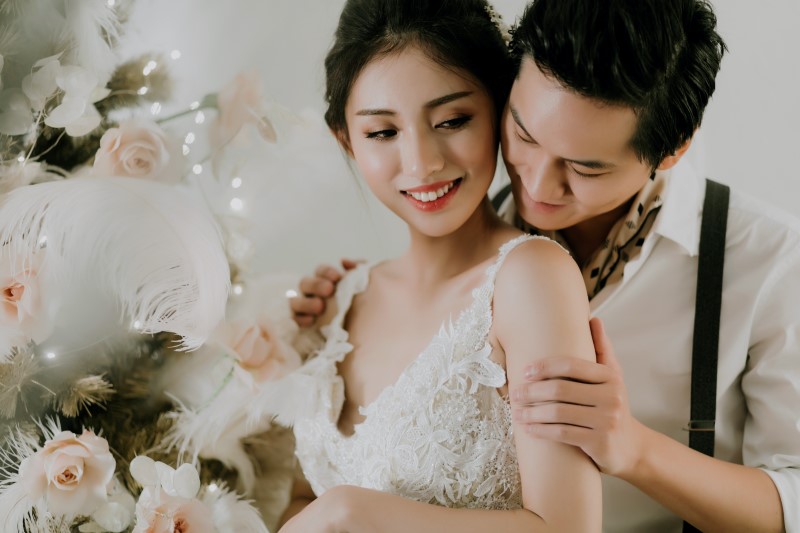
x=436, y=102
x=446, y=99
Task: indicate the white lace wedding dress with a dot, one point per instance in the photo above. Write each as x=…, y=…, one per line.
x=441, y=434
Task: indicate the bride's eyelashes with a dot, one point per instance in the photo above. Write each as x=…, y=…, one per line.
x=380, y=135
x=455, y=123
x=452, y=124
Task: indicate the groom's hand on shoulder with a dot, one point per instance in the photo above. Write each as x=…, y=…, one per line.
x=315, y=290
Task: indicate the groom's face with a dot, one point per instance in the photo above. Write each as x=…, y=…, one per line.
x=568, y=156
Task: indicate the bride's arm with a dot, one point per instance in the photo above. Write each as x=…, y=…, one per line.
x=541, y=310
x=359, y=510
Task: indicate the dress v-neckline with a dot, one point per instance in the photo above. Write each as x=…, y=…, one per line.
x=336, y=416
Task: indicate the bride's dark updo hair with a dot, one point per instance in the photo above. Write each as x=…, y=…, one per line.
x=457, y=34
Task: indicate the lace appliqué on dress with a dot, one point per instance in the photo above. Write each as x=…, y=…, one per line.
x=441, y=434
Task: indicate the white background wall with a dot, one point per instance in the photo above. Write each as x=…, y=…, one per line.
x=750, y=136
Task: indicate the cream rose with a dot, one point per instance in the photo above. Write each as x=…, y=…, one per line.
x=70, y=473
x=139, y=149
x=22, y=316
x=260, y=352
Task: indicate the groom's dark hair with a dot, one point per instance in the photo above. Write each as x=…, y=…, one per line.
x=658, y=57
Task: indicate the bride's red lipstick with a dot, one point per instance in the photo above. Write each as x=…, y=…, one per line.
x=438, y=203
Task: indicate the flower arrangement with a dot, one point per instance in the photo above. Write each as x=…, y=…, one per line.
x=123, y=391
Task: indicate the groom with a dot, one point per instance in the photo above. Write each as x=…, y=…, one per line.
x=606, y=100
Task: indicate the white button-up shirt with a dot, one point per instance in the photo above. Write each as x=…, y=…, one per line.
x=649, y=317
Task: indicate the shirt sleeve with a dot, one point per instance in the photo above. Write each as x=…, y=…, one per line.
x=771, y=386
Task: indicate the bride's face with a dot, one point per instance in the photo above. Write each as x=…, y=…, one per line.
x=424, y=138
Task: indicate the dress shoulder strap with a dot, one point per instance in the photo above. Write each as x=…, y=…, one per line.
x=507, y=248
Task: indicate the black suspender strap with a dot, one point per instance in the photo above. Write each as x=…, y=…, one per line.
x=708, y=303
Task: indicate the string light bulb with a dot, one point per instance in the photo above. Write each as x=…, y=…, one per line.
x=197, y=169
x=237, y=289
x=236, y=182
x=149, y=67
x=237, y=204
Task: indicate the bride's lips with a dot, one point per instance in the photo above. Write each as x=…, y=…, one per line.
x=432, y=197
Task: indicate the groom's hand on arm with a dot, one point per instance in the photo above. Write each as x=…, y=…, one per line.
x=584, y=404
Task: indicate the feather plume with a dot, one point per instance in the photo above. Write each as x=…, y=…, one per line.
x=91, y=29
x=15, y=505
x=285, y=400
x=209, y=421
x=158, y=251
x=192, y=435
x=230, y=513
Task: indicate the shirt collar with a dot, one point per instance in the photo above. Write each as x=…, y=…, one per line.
x=679, y=219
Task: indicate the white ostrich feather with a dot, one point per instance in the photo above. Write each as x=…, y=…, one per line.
x=15, y=508
x=210, y=421
x=150, y=245
x=285, y=400
x=232, y=515
x=190, y=437
x=32, y=29
x=90, y=26
x=15, y=504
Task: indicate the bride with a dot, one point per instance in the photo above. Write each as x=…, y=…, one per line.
x=412, y=426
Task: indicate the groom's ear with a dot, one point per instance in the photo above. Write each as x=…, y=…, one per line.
x=672, y=159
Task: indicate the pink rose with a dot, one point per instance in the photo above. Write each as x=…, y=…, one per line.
x=158, y=512
x=70, y=473
x=21, y=311
x=258, y=349
x=239, y=103
x=139, y=149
